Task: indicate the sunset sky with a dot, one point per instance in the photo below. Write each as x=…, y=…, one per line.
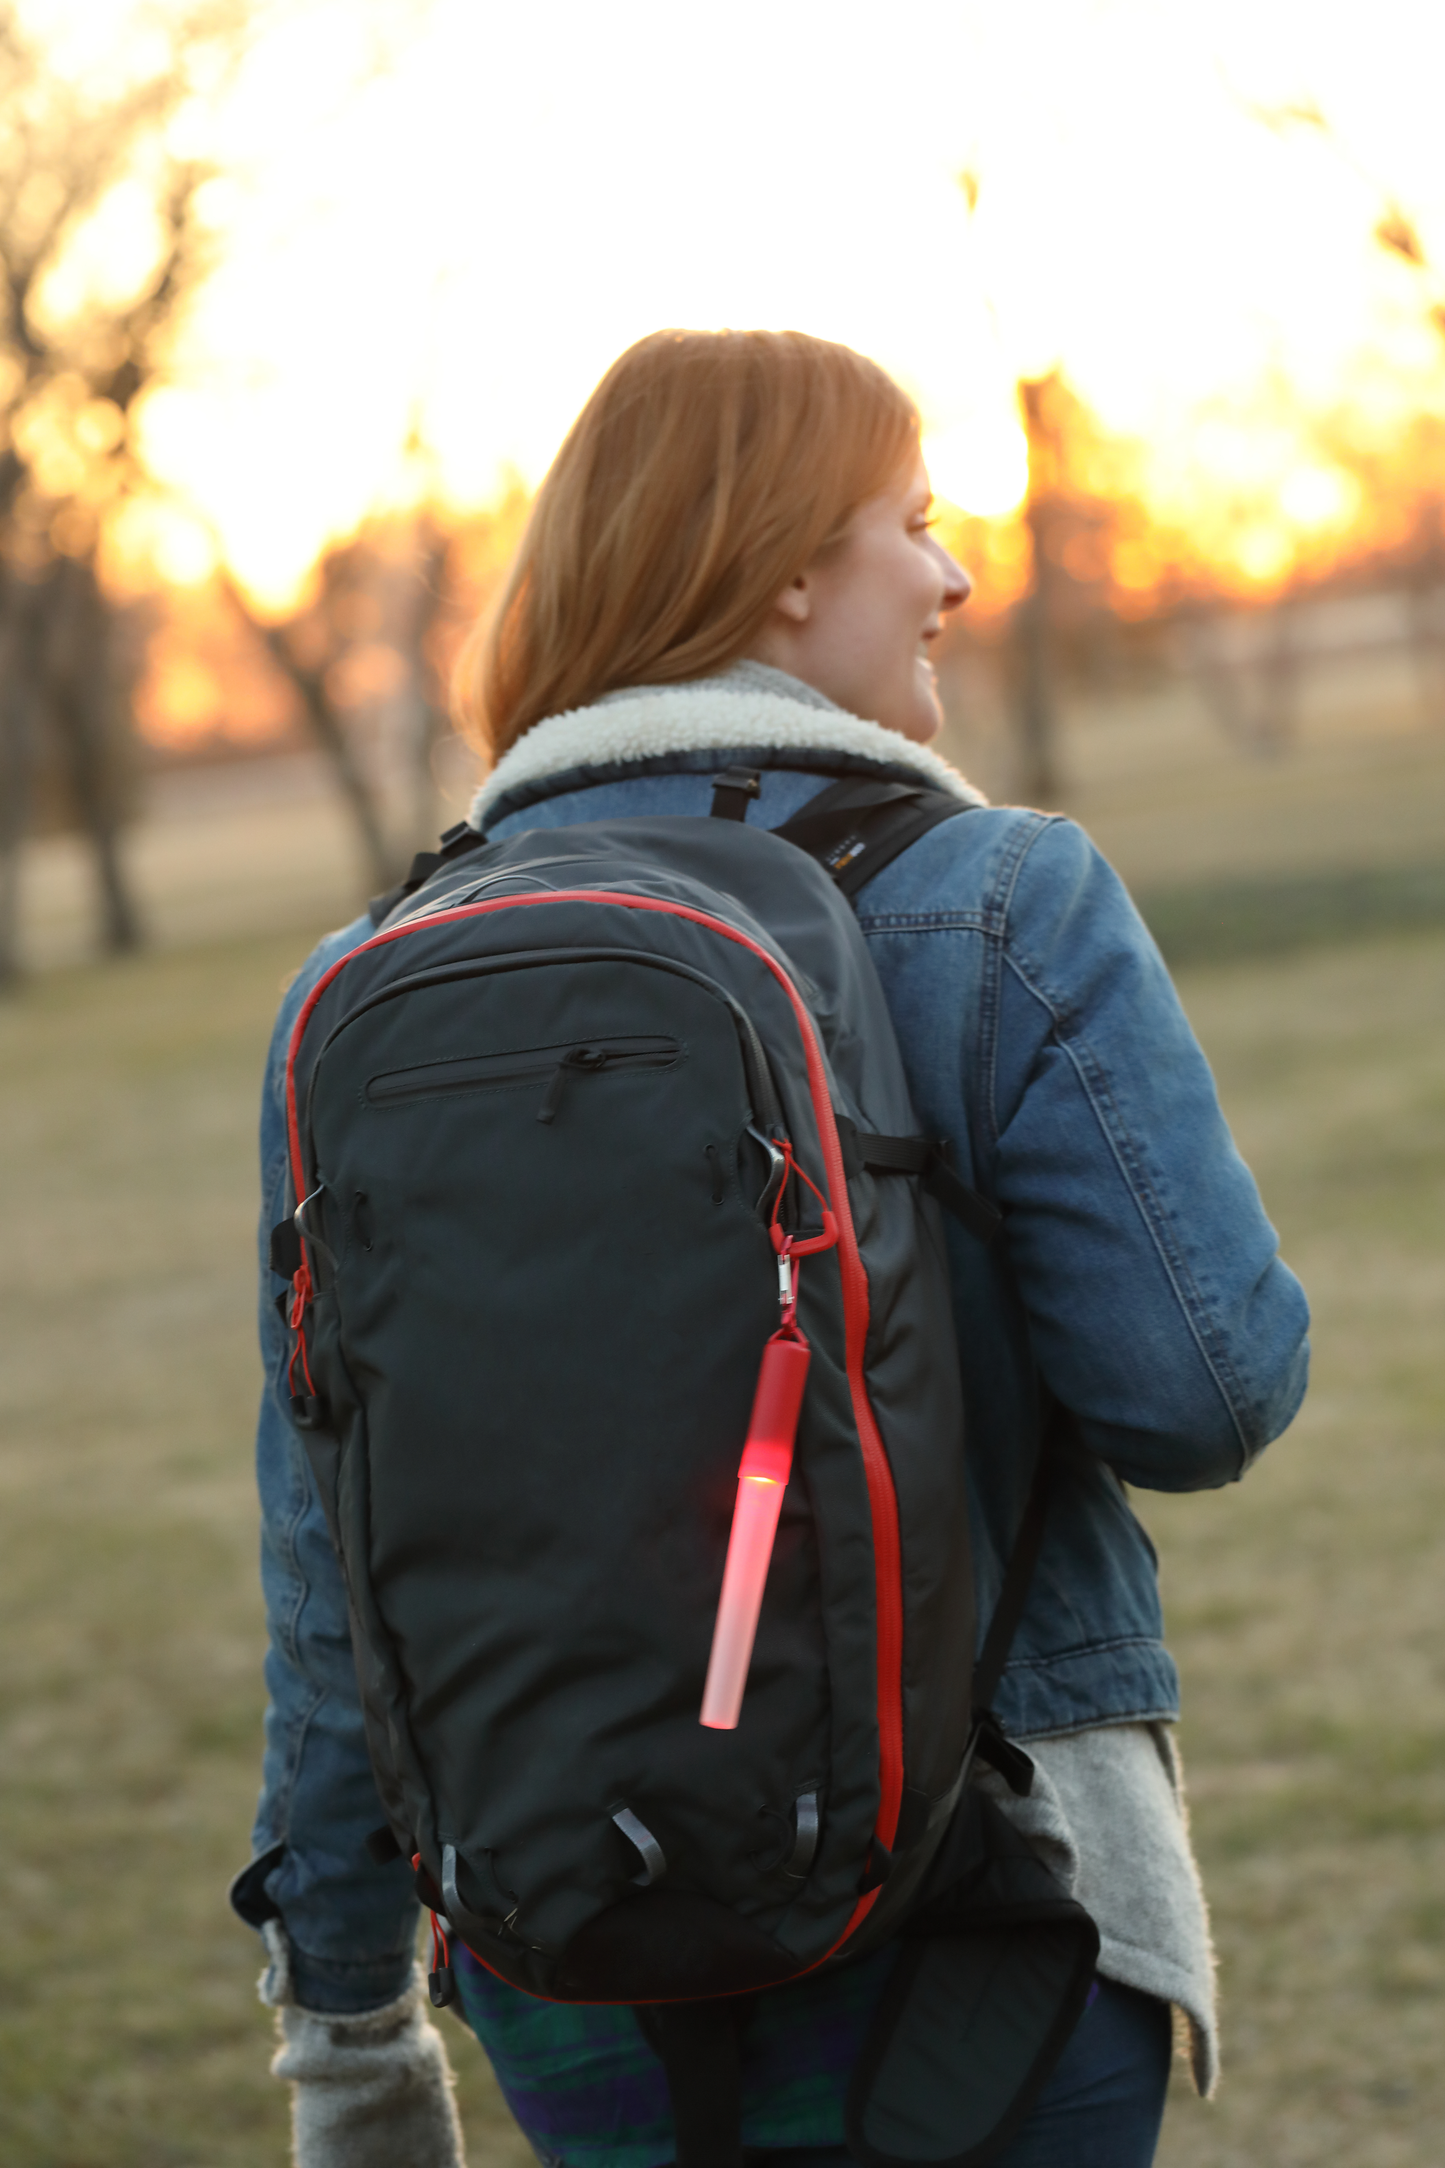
x=444, y=218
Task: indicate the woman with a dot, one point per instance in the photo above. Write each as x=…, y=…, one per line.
x=731, y=561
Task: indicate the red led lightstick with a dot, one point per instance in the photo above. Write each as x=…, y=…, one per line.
x=762, y=1478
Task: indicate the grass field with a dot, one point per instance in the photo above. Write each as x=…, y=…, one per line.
x=1304, y=1607
x=130, y=2036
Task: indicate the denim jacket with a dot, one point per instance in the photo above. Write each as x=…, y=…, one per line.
x=1137, y=1276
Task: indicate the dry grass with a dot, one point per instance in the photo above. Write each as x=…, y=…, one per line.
x=1304, y=1606
x=130, y=2036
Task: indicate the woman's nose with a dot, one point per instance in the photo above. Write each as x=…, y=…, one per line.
x=957, y=586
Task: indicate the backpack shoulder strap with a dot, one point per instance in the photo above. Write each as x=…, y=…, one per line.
x=854, y=829
x=1018, y=1574
x=857, y=827
x=987, y=1740
x=458, y=842
x=699, y=2046
x=997, y=1959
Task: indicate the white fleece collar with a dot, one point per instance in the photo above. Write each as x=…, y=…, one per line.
x=716, y=714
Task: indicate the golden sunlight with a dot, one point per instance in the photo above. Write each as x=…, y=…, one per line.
x=434, y=227
x=981, y=468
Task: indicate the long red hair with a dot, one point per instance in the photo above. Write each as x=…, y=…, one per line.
x=705, y=472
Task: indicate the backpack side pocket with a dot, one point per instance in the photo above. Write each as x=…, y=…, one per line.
x=992, y=1978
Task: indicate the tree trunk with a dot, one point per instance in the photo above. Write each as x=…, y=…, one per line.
x=20, y=665
x=427, y=722
x=327, y=729
x=1248, y=670
x=1038, y=719
x=1037, y=710
x=428, y=727
x=330, y=735
x=1279, y=683
x=1218, y=679
x=82, y=704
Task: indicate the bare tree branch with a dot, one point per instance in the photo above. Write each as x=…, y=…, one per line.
x=324, y=720
x=63, y=145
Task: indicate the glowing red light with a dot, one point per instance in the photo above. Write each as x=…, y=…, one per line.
x=763, y=1477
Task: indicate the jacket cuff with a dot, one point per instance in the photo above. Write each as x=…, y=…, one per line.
x=330, y=1987
x=336, y=1986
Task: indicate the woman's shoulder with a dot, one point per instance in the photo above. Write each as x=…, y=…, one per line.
x=1022, y=869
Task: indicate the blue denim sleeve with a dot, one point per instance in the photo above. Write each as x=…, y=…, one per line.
x=351, y=1925
x=1159, y=1308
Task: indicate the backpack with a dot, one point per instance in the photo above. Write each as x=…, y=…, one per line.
x=623, y=1353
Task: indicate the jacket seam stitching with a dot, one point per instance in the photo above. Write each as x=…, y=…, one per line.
x=1018, y=847
x=297, y=1733
x=971, y=921
x=1151, y=1208
x=1110, y=1647
x=1116, y=1132
x=300, y=1587
x=990, y=919
x=1187, y=1292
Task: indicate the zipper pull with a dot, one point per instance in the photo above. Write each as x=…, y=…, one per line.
x=576, y=1057
x=441, y=1980
x=302, y=1291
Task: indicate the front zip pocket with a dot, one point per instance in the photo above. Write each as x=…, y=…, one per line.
x=551, y=1066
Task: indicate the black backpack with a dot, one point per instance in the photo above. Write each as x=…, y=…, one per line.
x=624, y=1355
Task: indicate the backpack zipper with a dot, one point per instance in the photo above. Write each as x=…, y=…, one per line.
x=591, y=1061
x=520, y=1065
x=760, y=1082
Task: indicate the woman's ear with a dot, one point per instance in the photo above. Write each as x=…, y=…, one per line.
x=780, y=637
x=796, y=600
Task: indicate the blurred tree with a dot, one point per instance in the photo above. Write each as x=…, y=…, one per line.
x=1040, y=404
x=369, y=659
x=433, y=600
x=1080, y=515
x=363, y=657
x=1398, y=237
x=1248, y=666
x=70, y=378
x=312, y=650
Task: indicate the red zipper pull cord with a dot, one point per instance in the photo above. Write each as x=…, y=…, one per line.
x=441, y=1980
x=301, y=1293
x=808, y=1245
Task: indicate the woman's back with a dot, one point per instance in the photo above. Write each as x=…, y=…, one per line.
x=1136, y=1283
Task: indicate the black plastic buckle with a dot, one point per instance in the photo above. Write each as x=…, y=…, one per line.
x=731, y=791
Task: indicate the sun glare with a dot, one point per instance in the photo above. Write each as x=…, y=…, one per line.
x=982, y=468
x=437, y=225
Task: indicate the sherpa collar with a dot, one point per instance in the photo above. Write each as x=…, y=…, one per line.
x=750, y=710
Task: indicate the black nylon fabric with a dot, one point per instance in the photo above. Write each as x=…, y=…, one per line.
x=538, y=1345
x=993, y=1977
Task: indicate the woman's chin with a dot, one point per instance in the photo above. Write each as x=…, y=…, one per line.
x=910, y=706
x=921, y=718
